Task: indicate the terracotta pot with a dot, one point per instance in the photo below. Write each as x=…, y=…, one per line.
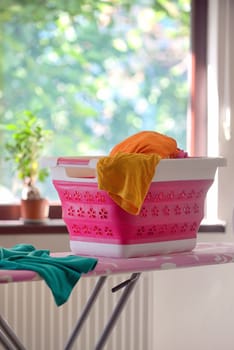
x=34, y=210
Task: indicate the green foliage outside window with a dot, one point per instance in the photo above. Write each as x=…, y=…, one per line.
x=95, y=71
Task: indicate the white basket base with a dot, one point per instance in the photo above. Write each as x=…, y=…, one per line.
x=130, y=250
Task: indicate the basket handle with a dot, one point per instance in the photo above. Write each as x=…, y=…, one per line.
x=81, y=167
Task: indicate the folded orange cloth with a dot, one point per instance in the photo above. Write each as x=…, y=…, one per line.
x=127, y=177
x=127, y=172
x=148, y=142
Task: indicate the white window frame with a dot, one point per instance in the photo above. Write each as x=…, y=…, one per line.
x=220, y=106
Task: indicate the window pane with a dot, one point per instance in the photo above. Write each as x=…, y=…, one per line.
x=95, y=72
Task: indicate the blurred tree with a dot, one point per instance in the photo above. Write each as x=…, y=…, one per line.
x=96, y=71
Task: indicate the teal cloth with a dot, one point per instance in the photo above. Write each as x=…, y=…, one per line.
x=60, y=273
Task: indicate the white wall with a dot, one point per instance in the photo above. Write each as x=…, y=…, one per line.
x=225, y=92
x=53, y=242
x=194, y=309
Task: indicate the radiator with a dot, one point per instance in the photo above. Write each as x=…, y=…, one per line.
x=30, y=309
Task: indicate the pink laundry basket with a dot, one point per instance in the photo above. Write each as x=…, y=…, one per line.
x=169, y=218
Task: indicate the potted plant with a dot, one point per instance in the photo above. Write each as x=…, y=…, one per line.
x=24, y=149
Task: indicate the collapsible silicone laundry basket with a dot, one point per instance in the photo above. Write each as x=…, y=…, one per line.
x=169, y=218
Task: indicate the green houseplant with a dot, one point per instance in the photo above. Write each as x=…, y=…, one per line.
x=24, y=147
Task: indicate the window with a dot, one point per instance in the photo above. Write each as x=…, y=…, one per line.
x=96, y=72
x=122, y=67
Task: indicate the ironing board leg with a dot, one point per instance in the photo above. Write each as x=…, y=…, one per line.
x=85, y=312
x=117, y=310
x=8, y=332
x=4, y=341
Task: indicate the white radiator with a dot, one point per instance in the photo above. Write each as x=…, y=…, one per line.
x=30, y=309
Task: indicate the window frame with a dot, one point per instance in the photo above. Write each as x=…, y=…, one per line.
x=197, y=119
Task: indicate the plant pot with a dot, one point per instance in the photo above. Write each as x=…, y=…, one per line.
x=34, y=210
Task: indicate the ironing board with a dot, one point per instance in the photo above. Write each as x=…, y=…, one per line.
x=203, y=255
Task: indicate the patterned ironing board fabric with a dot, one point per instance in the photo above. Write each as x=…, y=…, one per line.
x=204, y=254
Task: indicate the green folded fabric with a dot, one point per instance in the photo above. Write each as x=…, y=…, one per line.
x=60, y=273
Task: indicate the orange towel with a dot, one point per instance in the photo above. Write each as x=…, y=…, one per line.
x=148, y=142
x=127, y=172
x=127, y=177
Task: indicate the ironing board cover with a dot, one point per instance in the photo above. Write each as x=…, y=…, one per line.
x=203, y=254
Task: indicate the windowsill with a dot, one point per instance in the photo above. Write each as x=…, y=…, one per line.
x=50, y=226
x=11, y=224
x=57, y=226
x=212, y=228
